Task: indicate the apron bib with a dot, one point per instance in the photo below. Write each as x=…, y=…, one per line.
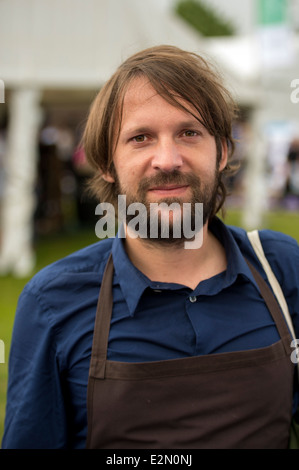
x=233, y=400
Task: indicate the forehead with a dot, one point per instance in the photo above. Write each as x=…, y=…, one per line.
x=141, y=97
x=140, y=89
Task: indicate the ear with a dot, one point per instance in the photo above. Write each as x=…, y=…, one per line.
x=224, y=155
x=108, y=177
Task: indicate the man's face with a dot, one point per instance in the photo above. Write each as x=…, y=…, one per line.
x=164, y=154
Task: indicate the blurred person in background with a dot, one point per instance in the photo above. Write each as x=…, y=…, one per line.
x=292, y=183
x=139, y=342
x=85, y=204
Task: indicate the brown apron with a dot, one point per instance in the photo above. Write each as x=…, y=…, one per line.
x=229, y=400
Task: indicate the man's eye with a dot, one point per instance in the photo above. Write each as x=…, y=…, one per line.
x=190, y=133
x=139, y=138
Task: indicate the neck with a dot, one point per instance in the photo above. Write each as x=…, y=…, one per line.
x=175, y=263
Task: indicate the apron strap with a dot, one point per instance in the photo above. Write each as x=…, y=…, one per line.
x=273, y=307
x=102, y=323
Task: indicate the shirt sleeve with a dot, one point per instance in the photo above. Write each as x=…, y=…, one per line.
x=35, y=414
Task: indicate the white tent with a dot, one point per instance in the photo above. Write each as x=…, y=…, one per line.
x=80, y=42
x=62, y=44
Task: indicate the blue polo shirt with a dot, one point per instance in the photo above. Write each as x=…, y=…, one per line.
x=53, y=329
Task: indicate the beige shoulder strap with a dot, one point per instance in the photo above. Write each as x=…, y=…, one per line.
x=257, y=246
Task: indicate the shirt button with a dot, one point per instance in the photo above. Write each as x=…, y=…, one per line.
x=193, y=298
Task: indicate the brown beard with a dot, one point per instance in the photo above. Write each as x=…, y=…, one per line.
x=206, y=195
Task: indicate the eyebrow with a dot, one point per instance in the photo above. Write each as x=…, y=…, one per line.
x=136, y=130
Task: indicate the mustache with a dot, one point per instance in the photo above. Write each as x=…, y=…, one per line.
x=174, y=177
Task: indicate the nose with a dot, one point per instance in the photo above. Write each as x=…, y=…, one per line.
x=167, y=156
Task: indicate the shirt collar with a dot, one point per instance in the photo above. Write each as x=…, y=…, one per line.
x=236, y=263
x=133, y=282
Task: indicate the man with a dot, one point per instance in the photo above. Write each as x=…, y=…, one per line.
x=185, y=348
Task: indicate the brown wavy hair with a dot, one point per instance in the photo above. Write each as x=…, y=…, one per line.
x=173, y=73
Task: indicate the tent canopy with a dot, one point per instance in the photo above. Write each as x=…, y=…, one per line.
x=79, y=43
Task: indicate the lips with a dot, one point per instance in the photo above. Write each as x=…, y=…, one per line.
x=169, y=189
x=162, y=184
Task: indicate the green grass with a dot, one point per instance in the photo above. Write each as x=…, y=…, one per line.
x=49, y=249
x=280, y=221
